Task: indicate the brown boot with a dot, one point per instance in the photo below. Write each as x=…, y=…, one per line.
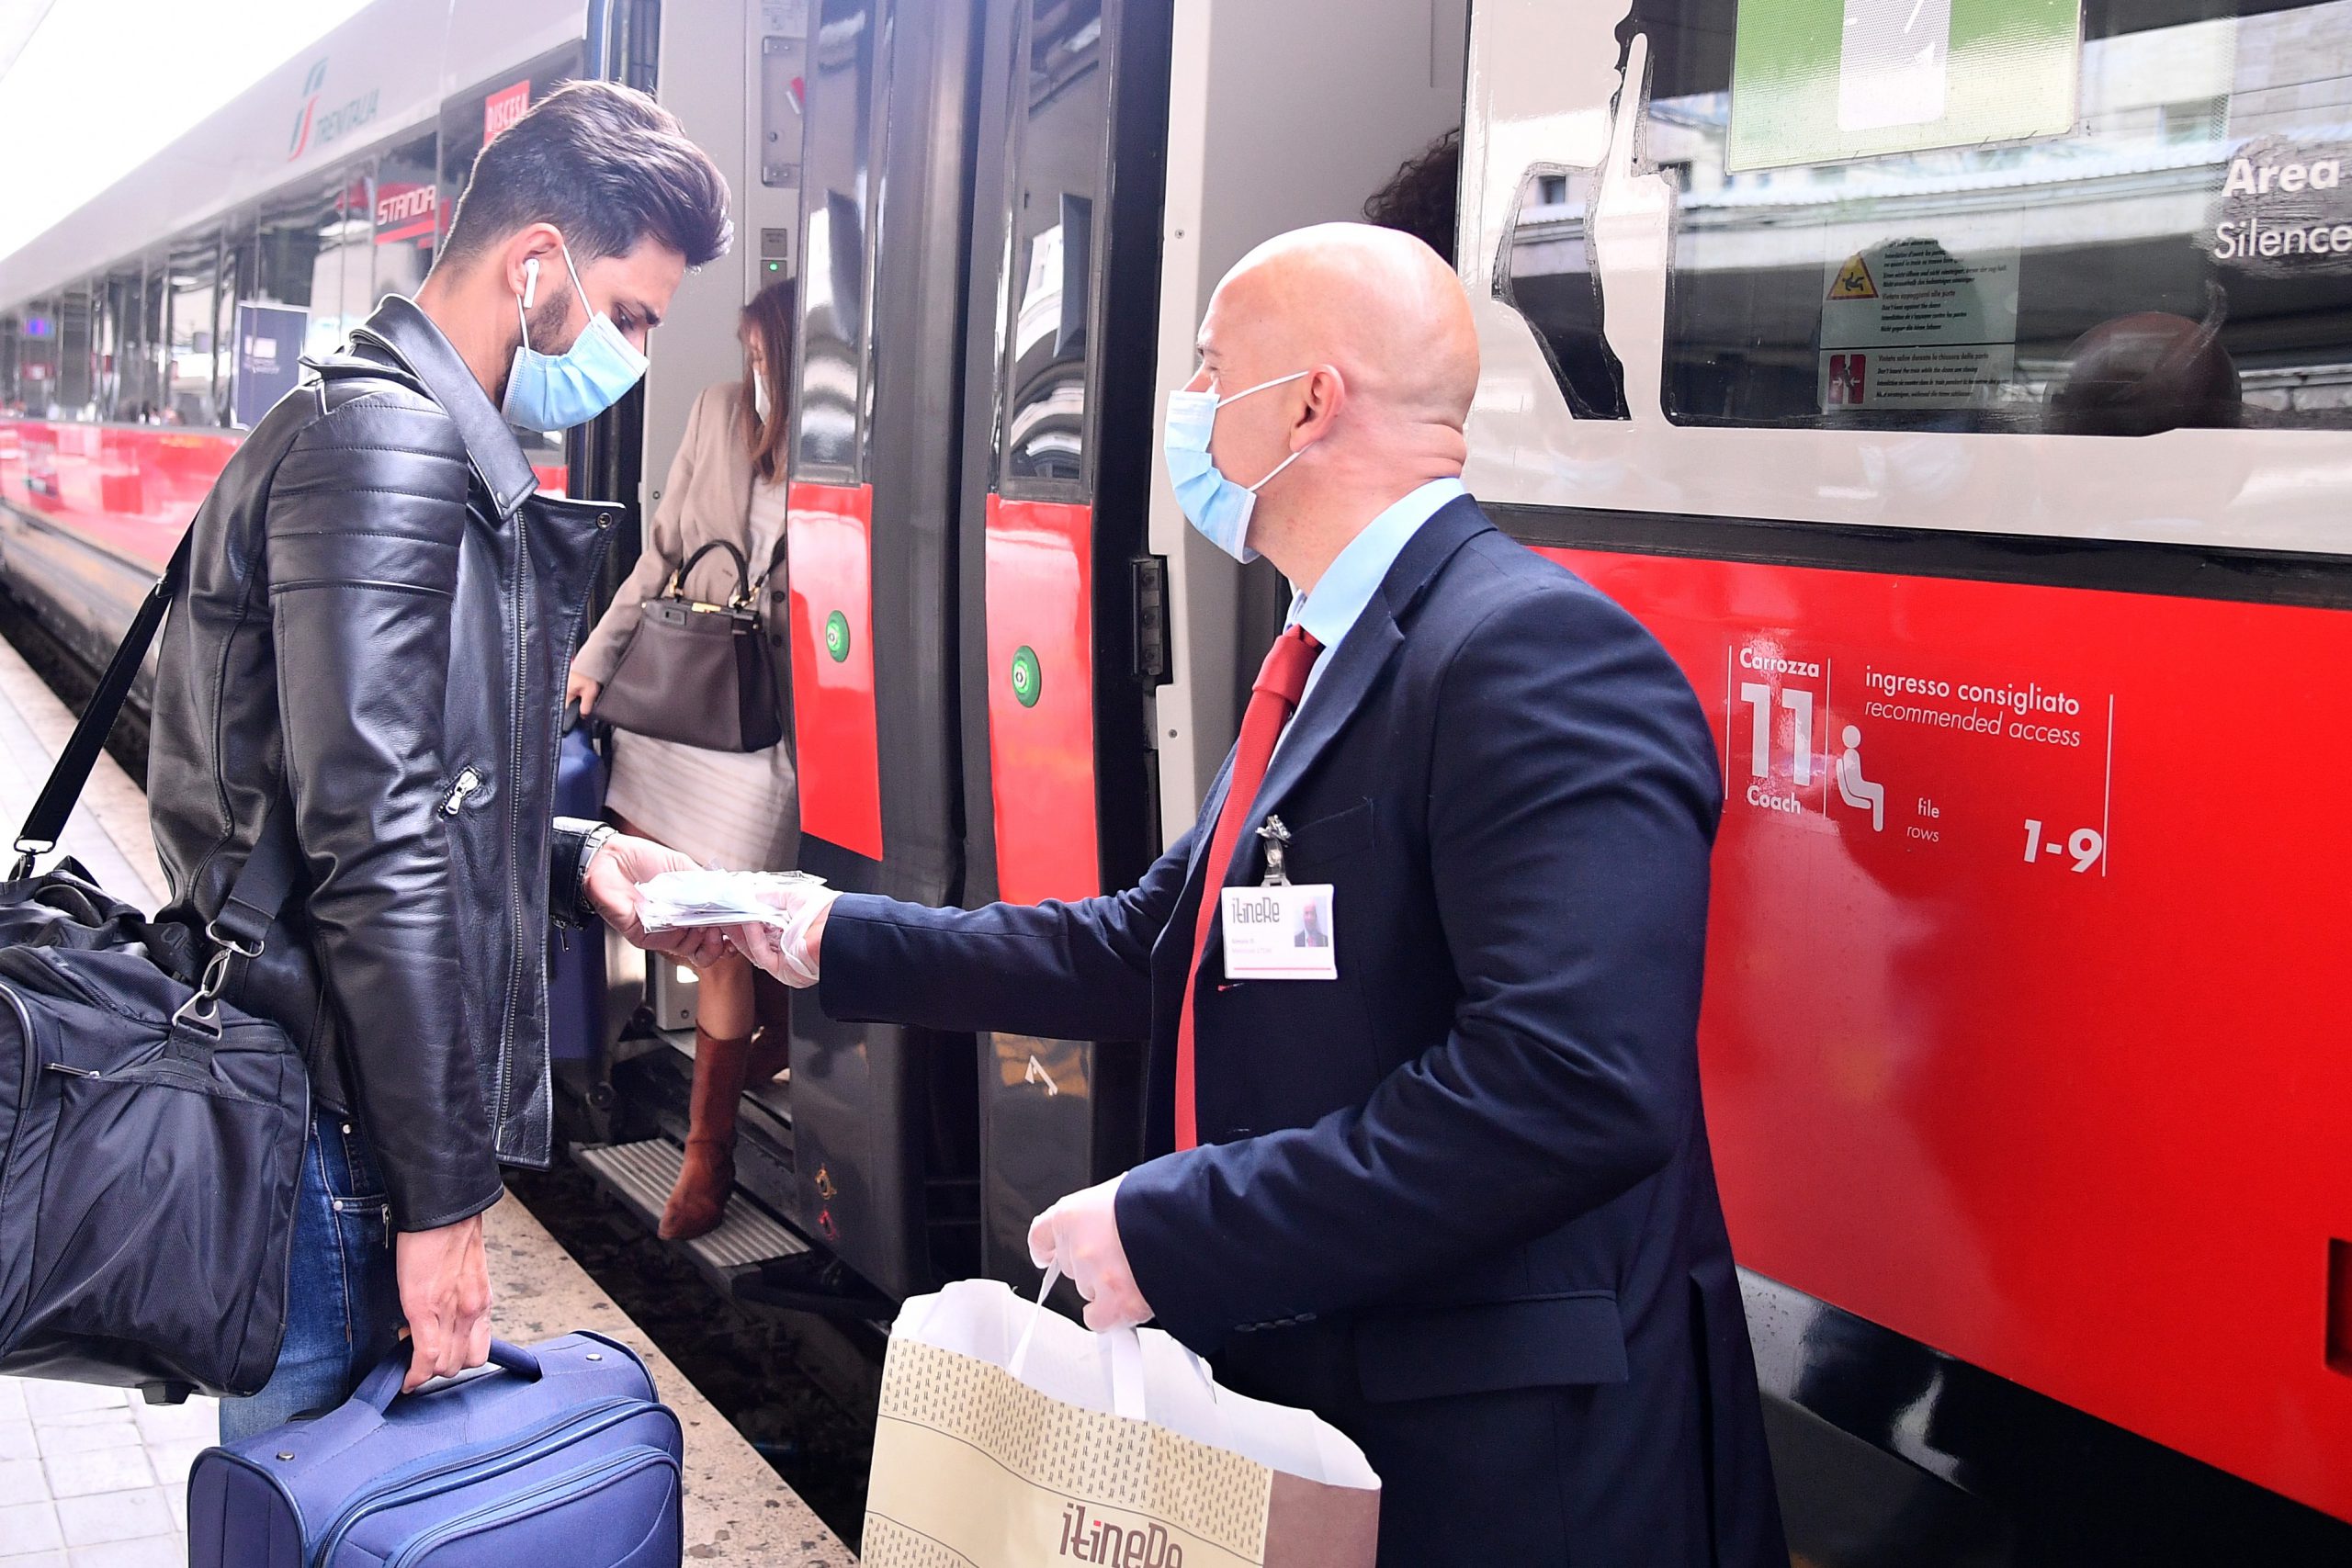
x=700, y=1200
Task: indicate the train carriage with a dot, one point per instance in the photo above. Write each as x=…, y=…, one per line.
x=1957, y=387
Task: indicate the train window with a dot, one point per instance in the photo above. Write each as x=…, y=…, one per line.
x=835, y=329
x=37, y=358
x=239, y=259
x=2146, y=227
x=76, y=395
x=120, y=293
x=1548, y=278
x=290, y=227
x=191, y=363
x=407, y=215
x=1058, y=166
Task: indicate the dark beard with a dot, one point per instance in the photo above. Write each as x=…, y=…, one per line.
x=548, y=321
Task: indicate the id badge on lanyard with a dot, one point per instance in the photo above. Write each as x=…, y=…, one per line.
x=1280, y=930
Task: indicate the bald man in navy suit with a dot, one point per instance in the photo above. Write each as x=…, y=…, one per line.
x=1456, y=1199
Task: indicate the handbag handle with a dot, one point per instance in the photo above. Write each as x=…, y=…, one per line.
x=775, y=559
x=383, y=1386
x=677, y=589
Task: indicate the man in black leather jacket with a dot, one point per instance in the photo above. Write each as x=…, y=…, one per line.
x=369, y=655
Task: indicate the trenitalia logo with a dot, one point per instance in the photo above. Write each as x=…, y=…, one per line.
x=1099, y=1540
x=312, y=128
x=310, y=86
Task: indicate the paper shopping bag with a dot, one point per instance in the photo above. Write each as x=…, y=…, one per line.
x=1116, y=1449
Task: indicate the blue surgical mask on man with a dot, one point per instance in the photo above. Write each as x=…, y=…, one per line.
x=1213, y=504
x=556, y=392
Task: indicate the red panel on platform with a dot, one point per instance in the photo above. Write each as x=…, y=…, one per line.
x=1041, y=698
x=2025, y=1032
x=131, y=489
x=831, y=552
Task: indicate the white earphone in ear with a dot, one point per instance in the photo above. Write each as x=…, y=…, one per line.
x=530, y=282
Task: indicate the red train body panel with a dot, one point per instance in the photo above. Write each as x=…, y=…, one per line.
x=2068, y=1062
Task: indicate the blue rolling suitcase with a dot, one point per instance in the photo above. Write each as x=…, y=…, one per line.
x=576, y=959
x=560, y=1456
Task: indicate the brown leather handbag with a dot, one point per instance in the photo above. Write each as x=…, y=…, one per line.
x=700, y=674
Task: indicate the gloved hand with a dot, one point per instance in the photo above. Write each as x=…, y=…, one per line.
x=790, y=951
x=1081, y=1234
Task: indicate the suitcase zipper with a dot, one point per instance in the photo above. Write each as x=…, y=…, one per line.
x=603, y=1471
x=447, y=1474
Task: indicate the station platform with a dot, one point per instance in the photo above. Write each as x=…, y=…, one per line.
x=95, y=1478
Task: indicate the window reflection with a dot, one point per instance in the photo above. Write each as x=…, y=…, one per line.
x=1548, y=278
x=833, y=331
x=2182, y=256
x=1059, y=171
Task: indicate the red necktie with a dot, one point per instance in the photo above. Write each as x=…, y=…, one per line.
x=1273, y=699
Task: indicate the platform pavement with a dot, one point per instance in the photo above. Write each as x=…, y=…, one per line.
x=95, y=1478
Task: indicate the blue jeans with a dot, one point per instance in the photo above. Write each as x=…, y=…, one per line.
x=343, y=1304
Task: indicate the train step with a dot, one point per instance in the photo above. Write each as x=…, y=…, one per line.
x=640, y=1175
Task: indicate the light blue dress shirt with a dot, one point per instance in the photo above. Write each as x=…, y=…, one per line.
x=1356, y=572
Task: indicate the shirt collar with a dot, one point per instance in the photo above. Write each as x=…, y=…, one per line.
x=1356, y=572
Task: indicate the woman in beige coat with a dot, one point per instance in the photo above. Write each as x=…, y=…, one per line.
x=736, y=810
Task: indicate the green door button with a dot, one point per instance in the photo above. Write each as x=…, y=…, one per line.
x=1028, y=679
x=836, y=636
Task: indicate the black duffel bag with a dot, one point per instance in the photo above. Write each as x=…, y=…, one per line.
x=151, y=1134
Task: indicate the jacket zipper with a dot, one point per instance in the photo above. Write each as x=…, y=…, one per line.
x=602, y=1473
x=397, y=1489
x=498, y=1111
x=455, y=801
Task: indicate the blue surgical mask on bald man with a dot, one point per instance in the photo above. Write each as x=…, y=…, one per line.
x=1213, y=504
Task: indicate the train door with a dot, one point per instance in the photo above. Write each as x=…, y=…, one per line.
x=1130, y=151
x=1064, y=623
x=1959, y=394
x=884, y=1123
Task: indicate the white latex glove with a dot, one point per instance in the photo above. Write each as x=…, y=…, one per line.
x=789, y=951
x=1081, y=1234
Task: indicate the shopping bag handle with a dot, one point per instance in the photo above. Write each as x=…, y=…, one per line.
x=383, y=1385
x=1126, y=1346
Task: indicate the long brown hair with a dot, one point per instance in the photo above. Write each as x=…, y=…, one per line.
x=769, y=315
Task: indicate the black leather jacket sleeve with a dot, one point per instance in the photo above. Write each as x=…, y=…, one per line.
x=567, y=895
x=365, y=521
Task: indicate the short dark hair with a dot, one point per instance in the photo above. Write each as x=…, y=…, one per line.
x=1419, y=196
x=605, y=164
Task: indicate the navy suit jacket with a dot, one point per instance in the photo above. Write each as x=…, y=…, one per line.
x=1460, y=1200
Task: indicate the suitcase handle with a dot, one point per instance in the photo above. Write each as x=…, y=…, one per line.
x=383, y=1385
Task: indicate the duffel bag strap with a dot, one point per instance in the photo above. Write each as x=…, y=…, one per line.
x=262, y=886
x=45, y=824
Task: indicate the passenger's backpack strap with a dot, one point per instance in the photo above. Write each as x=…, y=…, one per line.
x=46, y=822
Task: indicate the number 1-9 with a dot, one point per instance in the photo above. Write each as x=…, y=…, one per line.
x=2086, y=844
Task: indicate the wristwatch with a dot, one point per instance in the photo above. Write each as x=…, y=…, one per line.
x=591, y=844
